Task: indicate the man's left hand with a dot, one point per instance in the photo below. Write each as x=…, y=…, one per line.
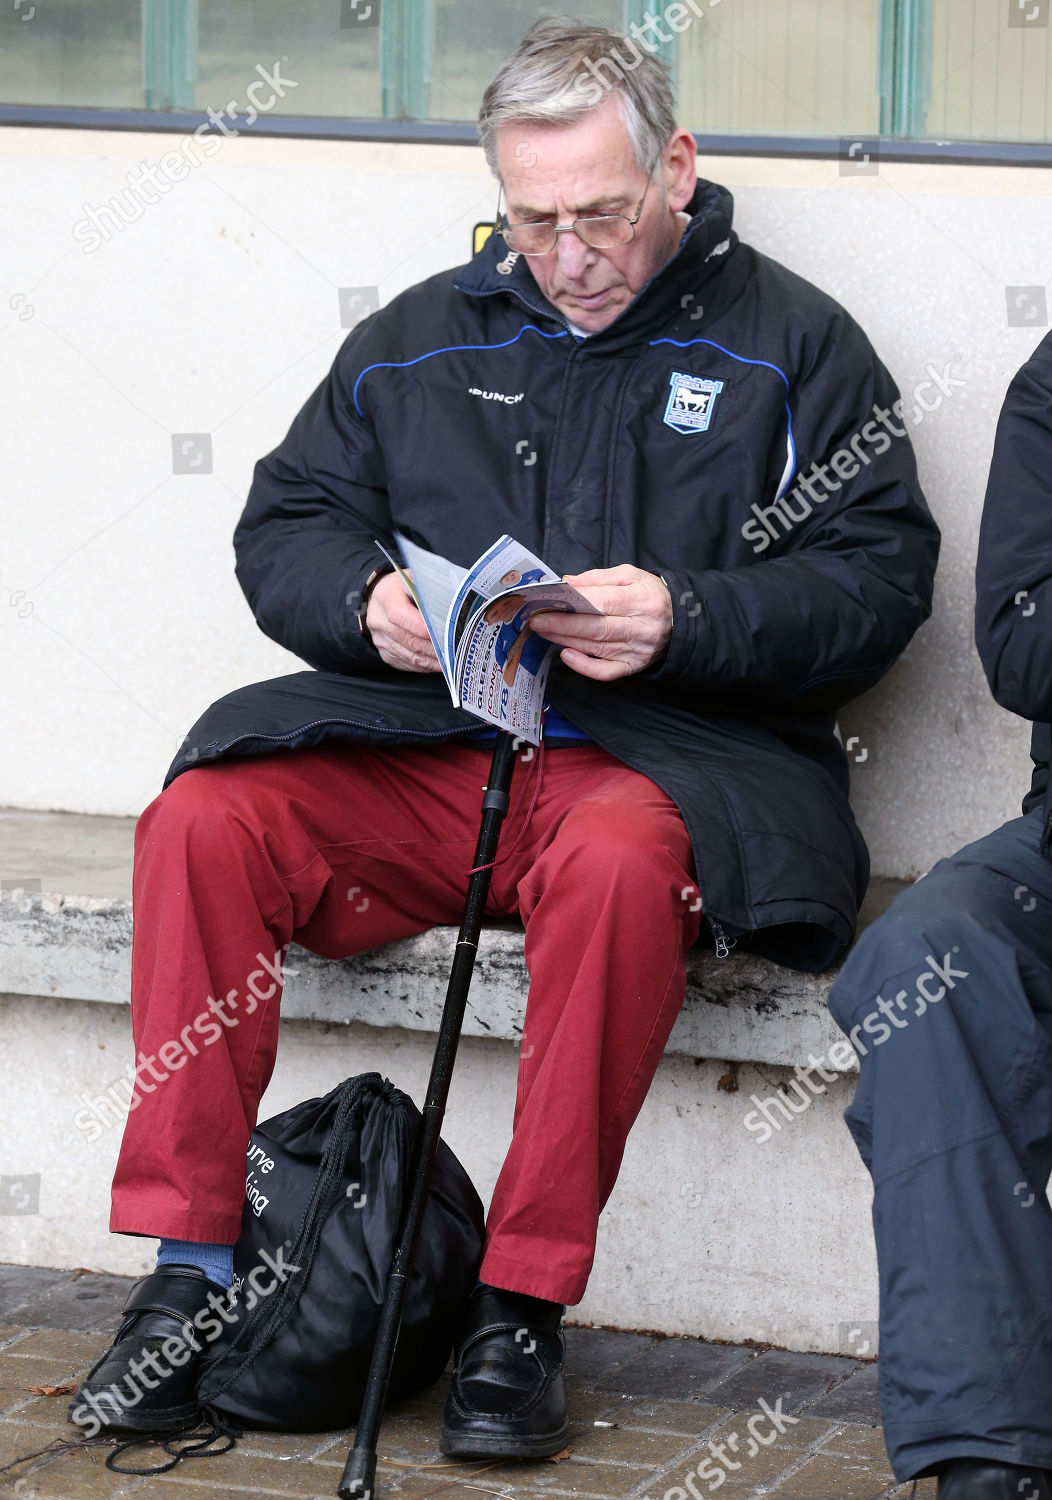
x=630, y=632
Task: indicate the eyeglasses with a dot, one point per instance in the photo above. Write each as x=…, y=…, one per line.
x=598, y=231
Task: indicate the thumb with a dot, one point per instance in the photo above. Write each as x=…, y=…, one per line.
x=591, y=575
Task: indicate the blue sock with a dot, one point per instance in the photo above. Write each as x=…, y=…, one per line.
x=216, y=1261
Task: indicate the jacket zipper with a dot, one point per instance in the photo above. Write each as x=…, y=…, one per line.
x=724, y=944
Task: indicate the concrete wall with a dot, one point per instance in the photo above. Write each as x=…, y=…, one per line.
x=218, y=311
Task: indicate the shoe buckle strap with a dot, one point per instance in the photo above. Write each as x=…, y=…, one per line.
x=186, y=1325
x=179, y=1297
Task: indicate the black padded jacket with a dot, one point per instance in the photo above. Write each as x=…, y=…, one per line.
x=1013, y=575
x=466, y=408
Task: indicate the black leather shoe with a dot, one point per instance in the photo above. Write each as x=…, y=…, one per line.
x=136, y=1384
x=508, y=1398
x=981, y=1479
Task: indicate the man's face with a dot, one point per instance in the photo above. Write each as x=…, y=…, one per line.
x=564, y=172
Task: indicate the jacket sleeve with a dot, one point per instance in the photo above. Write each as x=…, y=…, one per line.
x=1013, y=576
x=305, y=544
x=835, y=596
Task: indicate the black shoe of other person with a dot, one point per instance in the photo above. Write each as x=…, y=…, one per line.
x=982, y=1479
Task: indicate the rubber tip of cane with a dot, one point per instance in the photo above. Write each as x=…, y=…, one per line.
x=359, y=1475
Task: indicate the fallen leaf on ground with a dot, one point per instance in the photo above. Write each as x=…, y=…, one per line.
x=52, y=1390
x=557, y=1458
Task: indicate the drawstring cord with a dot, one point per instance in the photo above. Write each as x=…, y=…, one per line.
x=196, y=1443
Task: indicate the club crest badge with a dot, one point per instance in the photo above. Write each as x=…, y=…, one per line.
x=691, y=403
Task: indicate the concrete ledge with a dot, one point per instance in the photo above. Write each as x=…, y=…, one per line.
x=65, y=931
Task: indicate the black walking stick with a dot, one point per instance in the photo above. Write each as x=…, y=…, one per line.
x=359, y=1473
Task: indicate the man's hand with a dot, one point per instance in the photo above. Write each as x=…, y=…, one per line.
x=631, y=631
x=397, y=627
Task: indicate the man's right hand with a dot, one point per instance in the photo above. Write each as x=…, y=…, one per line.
x=397, y=627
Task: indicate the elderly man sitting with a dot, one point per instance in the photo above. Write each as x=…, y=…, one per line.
x=672, y=383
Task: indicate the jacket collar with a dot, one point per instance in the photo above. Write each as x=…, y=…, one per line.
x=703, y=250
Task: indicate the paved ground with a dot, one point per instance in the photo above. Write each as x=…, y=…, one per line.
x=647, y=1414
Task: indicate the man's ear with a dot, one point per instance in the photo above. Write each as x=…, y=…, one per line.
x=679, y=168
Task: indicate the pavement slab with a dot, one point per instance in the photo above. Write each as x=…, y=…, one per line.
x=855, y=1400
x=87, y=1302
x=647, y=1414
x=794, y=1379
x=22, y=1284
x=678, y=1368
x=691, y=1418
x=593, y=1352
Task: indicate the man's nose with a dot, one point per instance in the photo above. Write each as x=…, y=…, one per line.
x=575, y=257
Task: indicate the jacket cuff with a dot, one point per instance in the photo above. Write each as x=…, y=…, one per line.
x=682, y=648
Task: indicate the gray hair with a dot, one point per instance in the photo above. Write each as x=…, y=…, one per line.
x=563, y=69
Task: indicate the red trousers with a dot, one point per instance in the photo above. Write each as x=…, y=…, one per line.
x=344, y=848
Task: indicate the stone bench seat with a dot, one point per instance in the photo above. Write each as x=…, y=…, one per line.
x=65, y=931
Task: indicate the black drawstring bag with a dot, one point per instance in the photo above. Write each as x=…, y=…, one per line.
x=326, y=1186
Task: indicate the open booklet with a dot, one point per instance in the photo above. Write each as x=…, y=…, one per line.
x=477, y=617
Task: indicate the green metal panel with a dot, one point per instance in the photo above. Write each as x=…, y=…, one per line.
x=169, y=53
x=420, y=58
x=905, y=67
x=407, y=43
x=183, y=52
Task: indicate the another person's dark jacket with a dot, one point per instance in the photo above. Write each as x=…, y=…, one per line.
x=1013, y=576
x=466, y=408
